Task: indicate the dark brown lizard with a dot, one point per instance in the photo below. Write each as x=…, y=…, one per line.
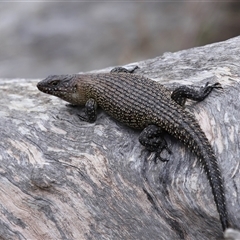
x=144, y=104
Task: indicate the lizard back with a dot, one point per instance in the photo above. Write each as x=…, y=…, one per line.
x=134, y=100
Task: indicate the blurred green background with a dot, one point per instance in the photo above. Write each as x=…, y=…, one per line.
x=42, y=38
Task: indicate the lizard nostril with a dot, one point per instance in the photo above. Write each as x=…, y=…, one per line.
x=39, y=85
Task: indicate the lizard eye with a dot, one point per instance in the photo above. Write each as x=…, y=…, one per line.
x=54, y=83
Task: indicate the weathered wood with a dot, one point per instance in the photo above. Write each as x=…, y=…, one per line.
x=66, y=179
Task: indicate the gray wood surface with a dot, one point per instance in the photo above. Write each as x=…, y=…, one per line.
x=61, y=178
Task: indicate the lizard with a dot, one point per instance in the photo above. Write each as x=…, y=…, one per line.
x=142, y=103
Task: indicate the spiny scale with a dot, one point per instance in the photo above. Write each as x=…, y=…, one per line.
x=139, y=102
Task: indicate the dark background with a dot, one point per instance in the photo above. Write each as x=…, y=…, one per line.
x=42, y=38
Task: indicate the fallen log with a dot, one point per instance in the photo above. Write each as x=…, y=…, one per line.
x=61, y=178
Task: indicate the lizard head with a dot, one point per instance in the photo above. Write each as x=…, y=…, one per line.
x=64, y=87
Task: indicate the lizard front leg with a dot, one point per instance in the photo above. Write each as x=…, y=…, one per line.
x=151, y=138
x=89, y=113
x=181, y=93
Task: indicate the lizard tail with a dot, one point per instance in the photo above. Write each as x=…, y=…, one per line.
x=208, y=159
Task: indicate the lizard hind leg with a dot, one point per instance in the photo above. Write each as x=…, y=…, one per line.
x=180, y=94
x=151, y=138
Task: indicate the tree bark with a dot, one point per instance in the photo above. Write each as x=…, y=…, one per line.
x=61, y=178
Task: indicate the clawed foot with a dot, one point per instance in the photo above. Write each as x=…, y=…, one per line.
x=207, y=86
x=158, y=157
x=151, y=138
